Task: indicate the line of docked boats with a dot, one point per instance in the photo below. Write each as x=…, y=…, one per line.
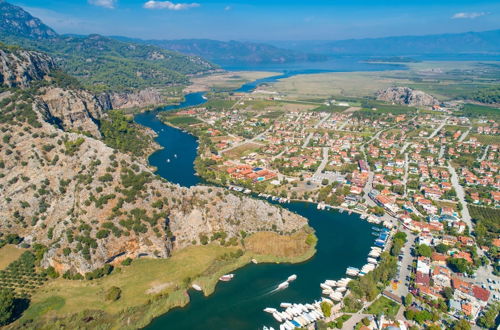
x=275, y=198
x=296, y=315
x=335, y=290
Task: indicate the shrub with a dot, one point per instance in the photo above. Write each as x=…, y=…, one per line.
x=113, y=293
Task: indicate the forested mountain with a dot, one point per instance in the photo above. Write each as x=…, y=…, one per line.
x=101, y=63
x=453, y=43
x=232, y=52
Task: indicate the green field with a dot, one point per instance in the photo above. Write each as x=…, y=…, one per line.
x=8, y=254
x=147, y=294
x=384, y=306
x=181, y=121
x=474, y=110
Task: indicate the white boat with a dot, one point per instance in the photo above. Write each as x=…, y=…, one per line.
x=168, y=160
x=255, y=261
x=351, y=271
x=270, y=310
x=226, y=278
x=285, y=305
x=283, y=285
x=324, y=286
x=292, y=278
x=196, y=287
x=277, y=317
x=331, y=283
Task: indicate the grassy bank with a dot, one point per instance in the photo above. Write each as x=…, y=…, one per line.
x=151, y=287
x=9, y=253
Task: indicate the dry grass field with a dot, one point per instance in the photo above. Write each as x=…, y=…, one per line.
x=8, y=254
x=225, y=80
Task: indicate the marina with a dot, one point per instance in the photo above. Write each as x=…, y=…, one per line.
x=240, y=302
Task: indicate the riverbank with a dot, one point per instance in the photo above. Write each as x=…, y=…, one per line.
x=146, y=295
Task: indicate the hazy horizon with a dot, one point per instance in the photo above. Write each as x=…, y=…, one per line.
x=258, y=20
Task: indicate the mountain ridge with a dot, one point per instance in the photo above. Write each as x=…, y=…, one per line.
x=231, y=52
x=466, y=42
x=100, y=63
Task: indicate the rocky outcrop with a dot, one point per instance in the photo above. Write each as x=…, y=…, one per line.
x=72, y=110
x=19, y=68
x=136, y=99
x=91, y=205
x=15, y=22
x=406, y=95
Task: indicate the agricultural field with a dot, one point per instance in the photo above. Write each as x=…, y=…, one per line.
x=225, y=81
x=444, y=80
x=8, y=254
x=21, y=276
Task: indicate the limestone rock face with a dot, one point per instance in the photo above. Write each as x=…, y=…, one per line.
x=406, y=95
x=91, y=205
x=136, y=99
x=20, y=67
x=71, y=109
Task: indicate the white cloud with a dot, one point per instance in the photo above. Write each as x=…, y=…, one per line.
x=169, y=5
x=471, y=15
x=103, y=3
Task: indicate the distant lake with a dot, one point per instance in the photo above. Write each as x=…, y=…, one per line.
x=340, y=64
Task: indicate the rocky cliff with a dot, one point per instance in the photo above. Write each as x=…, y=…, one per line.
x=72, y=110
x=15, y=22
x=90, y=204
x=408, y=96
x=19, y=67
x=136, y=99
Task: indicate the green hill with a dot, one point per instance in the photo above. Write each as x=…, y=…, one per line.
x=100, y=63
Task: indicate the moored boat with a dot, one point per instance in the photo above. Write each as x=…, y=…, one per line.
x=226, y=278
x=270, y=310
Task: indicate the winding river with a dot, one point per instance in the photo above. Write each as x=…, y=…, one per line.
x=344, y=240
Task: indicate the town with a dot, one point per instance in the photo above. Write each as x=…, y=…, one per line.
x=430, y=174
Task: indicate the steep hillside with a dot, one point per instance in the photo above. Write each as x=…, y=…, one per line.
x=232, y=52
x=89, y=204
x=100, y=63
x=19, y=67
x=21, y=24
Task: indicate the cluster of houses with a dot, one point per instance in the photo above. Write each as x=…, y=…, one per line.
x=432, y=277
x=255, y=174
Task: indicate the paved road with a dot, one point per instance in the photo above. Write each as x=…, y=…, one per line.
x=441, y=151
x=308, y=138
x=405, y=177
x=406, y=263
x=324, y=162
x=461, y=196
x=483, y=157
x=440, y=127
x=462, y=138
x=405, y=146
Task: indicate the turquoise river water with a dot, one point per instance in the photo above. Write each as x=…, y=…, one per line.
x=344, y=240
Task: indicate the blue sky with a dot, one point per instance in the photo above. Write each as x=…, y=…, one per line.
x=265, y=19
